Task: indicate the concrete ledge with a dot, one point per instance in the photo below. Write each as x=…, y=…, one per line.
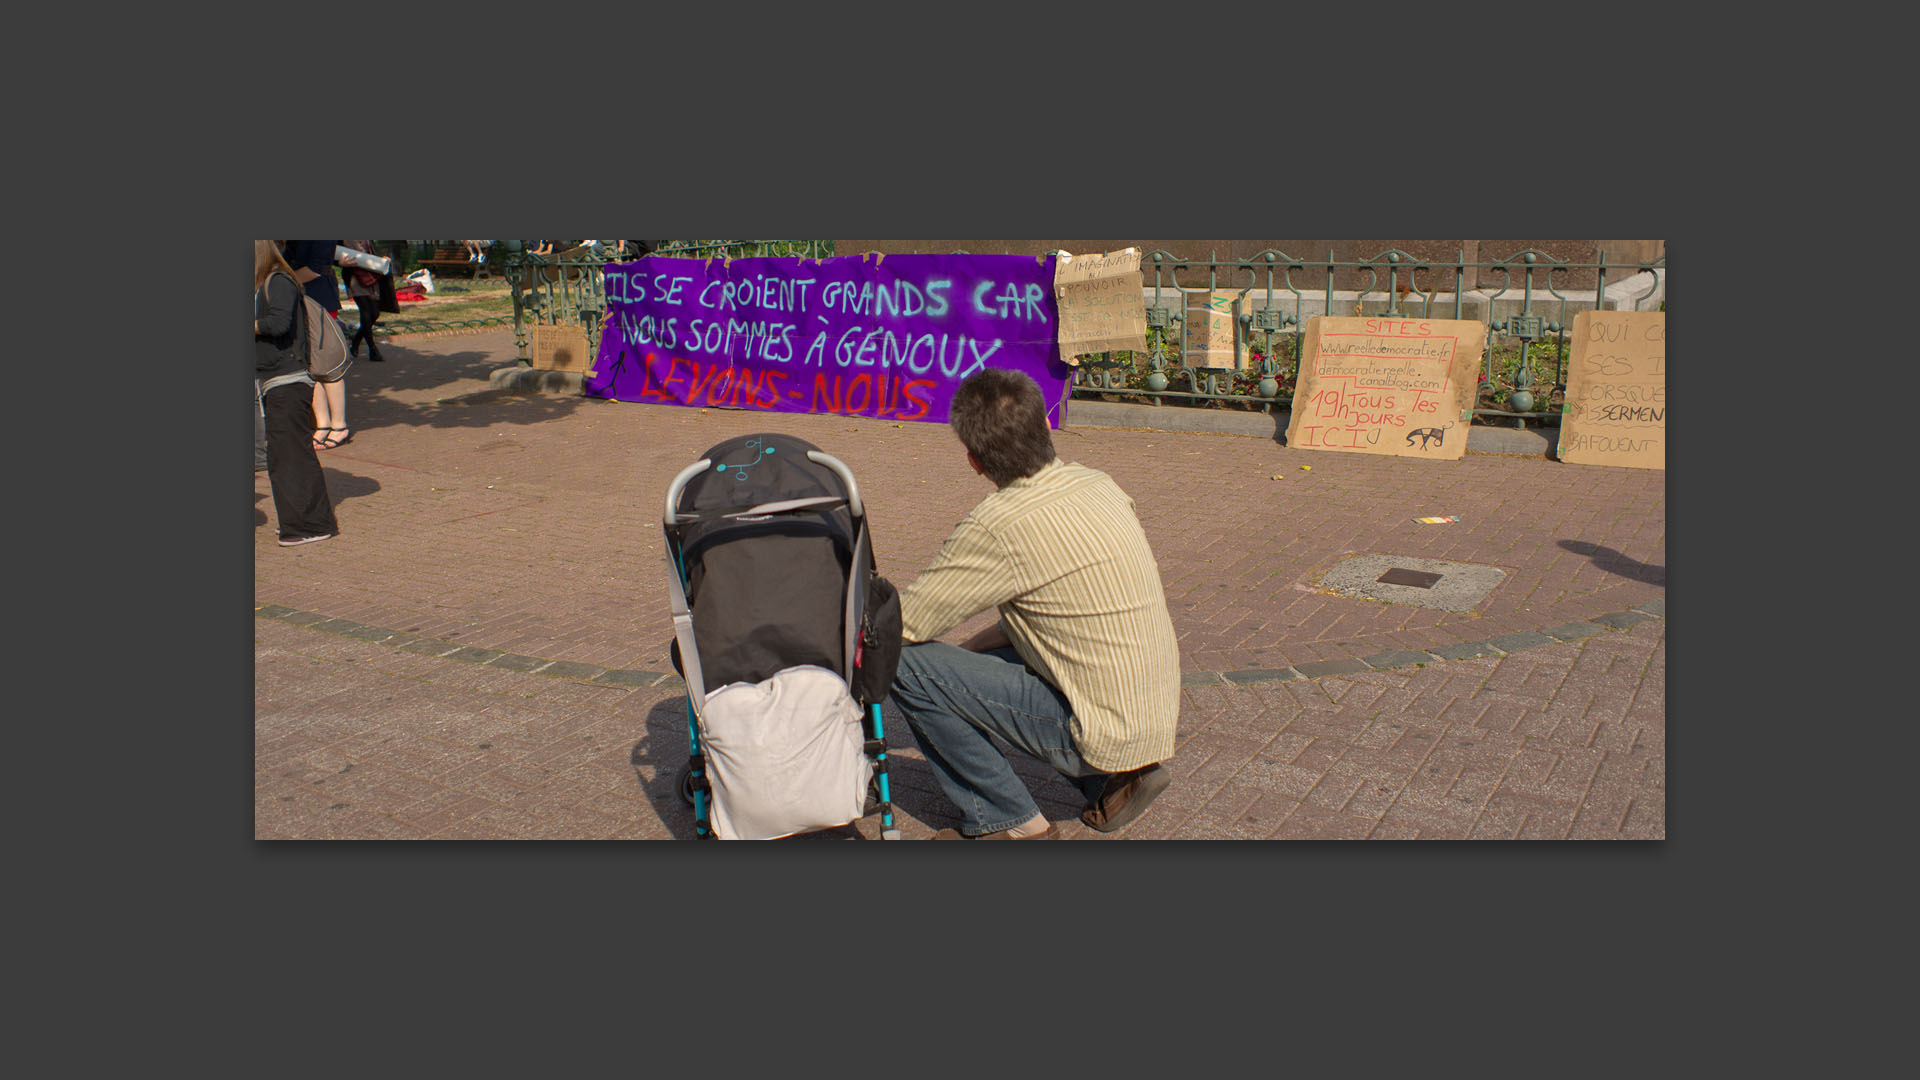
x=1481, y=439
x=1491, y=302
x=526, y=380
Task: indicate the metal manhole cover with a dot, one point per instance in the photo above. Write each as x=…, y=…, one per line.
x=1402, y=579
x=1400, y=575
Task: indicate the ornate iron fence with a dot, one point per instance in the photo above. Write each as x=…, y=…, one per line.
x=1528, y=317
x=568, y=287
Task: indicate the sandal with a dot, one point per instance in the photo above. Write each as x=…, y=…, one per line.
x=330, y=442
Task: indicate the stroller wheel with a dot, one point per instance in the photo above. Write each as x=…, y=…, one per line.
x=686, y=784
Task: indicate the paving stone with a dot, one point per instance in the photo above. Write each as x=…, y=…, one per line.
x=567, y=669
x=1399, y=659
x=1526, y=639
x=474, y=656
x=628, y=677
x=1260, y=675
x=516, y=662
x=1464, y=652
x=1331, y=667
x=1242, y=566
x=429, y=647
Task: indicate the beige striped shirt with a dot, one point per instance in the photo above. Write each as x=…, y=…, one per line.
x=1063, y=557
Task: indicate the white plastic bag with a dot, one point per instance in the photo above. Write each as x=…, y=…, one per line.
x=424, y=277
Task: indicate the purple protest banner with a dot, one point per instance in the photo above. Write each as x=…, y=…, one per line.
x=852, y=335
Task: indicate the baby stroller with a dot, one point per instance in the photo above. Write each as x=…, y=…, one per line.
x=786, y=638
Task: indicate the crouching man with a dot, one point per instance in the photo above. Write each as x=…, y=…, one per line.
x=1081, y=671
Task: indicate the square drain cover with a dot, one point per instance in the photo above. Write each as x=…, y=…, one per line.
x=1415, y=582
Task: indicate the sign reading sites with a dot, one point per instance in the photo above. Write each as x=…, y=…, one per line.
x=1386, y=386
x=1210, y=334
x=889, y=337
x=1616, y=410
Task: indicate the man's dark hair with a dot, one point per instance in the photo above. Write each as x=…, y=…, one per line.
x=1001, y=418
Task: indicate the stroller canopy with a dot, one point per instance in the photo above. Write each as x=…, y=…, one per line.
x=768, y=589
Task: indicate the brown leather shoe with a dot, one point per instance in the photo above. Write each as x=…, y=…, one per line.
x=1126, y=796
x=1004, y=834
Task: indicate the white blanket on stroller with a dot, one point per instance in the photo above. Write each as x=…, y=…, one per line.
x=785, y=755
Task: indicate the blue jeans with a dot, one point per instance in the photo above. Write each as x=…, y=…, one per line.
x=953, y=698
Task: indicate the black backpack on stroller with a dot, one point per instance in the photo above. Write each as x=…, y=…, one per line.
x=786, y=637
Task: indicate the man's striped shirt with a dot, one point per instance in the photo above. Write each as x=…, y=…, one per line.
x=1063, y=557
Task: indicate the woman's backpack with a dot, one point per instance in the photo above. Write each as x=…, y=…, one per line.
x=327, y=358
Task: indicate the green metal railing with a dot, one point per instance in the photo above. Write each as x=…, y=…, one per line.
x=568, y=287
x=746, y=249
x=1272, y=305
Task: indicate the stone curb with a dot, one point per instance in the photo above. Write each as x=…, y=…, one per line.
x=599, y=676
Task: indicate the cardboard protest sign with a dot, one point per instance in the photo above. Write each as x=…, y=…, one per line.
x=1100, y=304
x=1210, y=326
x=559, y=348
x=887, y=337
x=1616, y=410
x=1386, y=386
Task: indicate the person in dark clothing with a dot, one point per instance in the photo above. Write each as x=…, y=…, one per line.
x=286, y=393
x=363, y=287
x=312, y=262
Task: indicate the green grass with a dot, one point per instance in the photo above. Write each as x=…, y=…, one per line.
x=451, y=302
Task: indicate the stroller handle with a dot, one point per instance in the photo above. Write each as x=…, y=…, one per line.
x=679, y=482
x=846, y=477
x=669, y=515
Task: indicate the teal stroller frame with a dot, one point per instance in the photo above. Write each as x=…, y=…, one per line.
x=739, y=506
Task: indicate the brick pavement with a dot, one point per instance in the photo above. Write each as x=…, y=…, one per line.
x=481, y=653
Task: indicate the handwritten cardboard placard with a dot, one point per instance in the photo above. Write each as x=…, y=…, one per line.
x=1210, y=326
x=1100, y=304
x=1386, y=386
x=559, y=348
x=1616, y=410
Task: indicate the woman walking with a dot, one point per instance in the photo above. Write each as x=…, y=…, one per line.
x=363, y=288
x=286, y=394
